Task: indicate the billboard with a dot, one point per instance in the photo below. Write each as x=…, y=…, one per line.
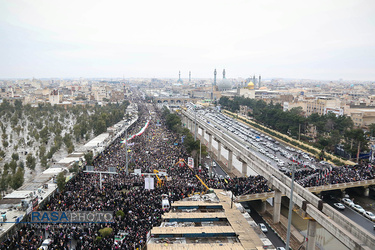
x=191, y=162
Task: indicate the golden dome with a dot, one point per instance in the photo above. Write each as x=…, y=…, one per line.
x=250, y=85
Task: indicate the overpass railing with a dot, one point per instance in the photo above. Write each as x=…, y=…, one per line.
x=346, y=230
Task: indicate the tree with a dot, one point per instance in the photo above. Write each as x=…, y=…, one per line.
x=13, y=166
x=42, y=151
x=15, y=156
x=60, y=180
x=105, y=232
x=100, y=127
x=44, y=162
x=30, y=161
x=120, y=213
x=89, y=157
x=3, y=184
x=17, y=179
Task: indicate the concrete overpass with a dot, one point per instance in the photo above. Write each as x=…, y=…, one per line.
x=174, y=100
x=345, y=230
x=317, y=190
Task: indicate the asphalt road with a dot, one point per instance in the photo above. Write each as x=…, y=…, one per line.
x=353, y=215
x=271, y=235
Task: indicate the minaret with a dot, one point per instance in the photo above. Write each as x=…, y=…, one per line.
x=223, y=73
x=179, y=77
x=259, y=81
x=254, y=79
x=215, y=77
x=214, y=84
x=189, y=76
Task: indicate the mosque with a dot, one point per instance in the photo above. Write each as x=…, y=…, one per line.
x=248, y=91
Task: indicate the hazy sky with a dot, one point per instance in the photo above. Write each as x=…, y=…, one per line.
x=317, y=39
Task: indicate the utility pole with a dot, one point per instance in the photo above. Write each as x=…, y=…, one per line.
x=359, y=150
x=200, y=152
x=195, y=119
x=212, y=162
x=126, y=151
x=299, y=132
x=291, y=204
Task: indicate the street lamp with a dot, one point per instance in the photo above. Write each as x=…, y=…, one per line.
x=195, y=119
x=126, y=151
x=291, y=204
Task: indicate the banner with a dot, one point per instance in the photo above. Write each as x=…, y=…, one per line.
x=138, y=171
x=149, y=183
x=191, y=162
x=137, y=134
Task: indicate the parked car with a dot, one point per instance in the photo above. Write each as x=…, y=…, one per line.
x=339, y=206
x=347, y=201
x=369, y=215
x=45, y=244
x=358, y=208
x=263, y=228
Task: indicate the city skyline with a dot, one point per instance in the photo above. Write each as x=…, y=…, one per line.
x=322, y=41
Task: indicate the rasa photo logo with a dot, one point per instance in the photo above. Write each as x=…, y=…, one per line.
x=71, y=217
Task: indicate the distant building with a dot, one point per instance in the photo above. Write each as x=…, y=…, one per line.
x=117, y=96
x=363, y=117
x=247, y=91
x=54, y=97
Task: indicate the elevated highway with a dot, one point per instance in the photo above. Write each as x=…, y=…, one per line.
x=317, y=189
x=345, y=230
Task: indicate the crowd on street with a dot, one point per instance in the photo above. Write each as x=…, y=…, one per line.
x=156, y=149
x=333, y=175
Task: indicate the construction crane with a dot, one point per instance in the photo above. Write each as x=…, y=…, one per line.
x=204, y=184
x=160, y=182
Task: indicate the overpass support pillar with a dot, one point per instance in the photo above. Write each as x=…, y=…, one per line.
x=244, y=168
x=219, y=151
x=263, y=207
x=343, y=193
x=210, y=142
x=276, y=207
x=366, y=193
x=311, y=235
x=230, y=160
x=202, y=138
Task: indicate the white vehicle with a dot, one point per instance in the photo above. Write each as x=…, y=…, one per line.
x=45, y=244
x=369, y=215
x=263, y=228
x=358, y=208
x=339, y=206
x=165, y=202
x=347, y=201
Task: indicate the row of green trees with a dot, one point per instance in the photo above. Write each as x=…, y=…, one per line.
x=44, y=125
x=173, y=122
x=330, y=129
x=12, y=176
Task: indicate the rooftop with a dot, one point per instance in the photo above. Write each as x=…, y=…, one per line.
x=205, y=222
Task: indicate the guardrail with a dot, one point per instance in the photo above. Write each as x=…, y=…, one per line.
x=344, y=229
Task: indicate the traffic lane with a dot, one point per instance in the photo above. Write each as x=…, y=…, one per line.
x=216, y=169
x=353, y=215
x=264, y=157
x=271, y=235
x=219, y=170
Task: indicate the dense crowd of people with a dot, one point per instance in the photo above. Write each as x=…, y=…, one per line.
x=157, y=148
x=332, y=175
